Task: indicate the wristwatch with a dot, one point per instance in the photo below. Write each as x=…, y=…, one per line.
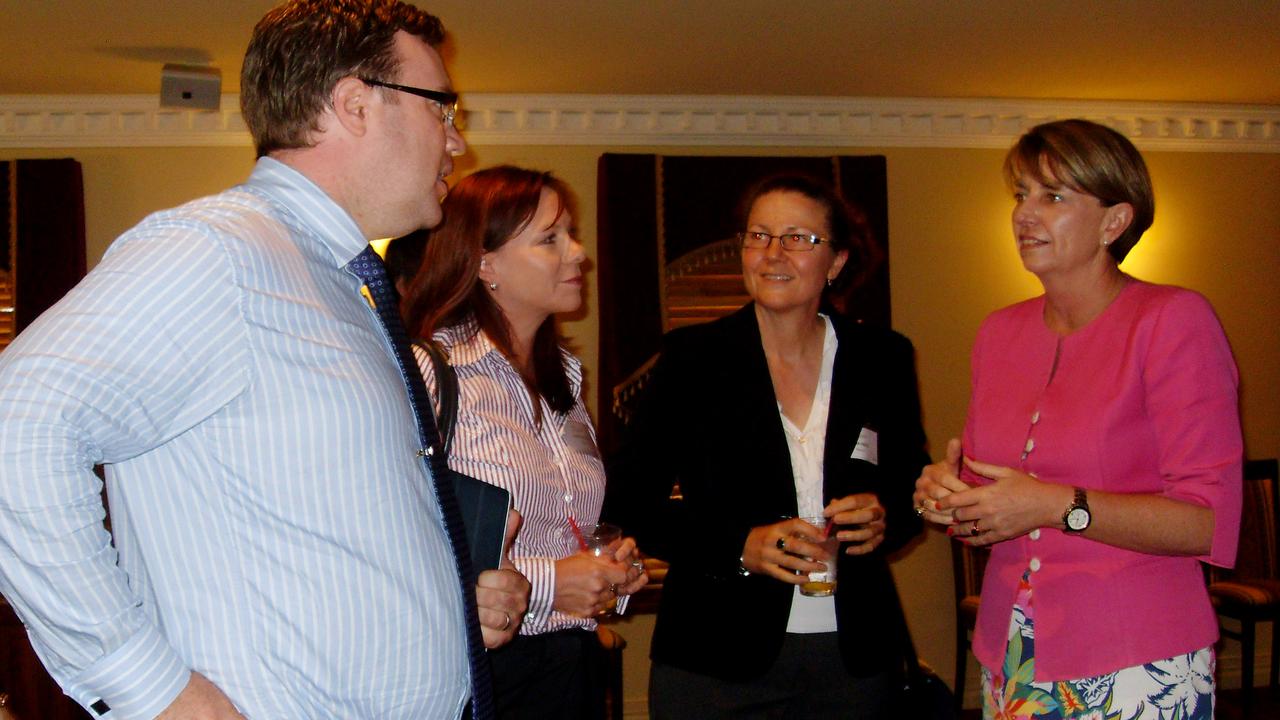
x=1077, y=517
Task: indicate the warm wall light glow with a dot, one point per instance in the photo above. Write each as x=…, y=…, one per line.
x=1156, y=254
x=1165, y=253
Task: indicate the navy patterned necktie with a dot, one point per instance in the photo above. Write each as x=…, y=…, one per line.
x=368, y=267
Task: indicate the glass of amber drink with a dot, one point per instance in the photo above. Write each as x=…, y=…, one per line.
x=821, y=583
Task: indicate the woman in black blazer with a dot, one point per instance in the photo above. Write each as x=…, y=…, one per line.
x=733, y=415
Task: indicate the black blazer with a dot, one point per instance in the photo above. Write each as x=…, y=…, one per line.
x=709, y=421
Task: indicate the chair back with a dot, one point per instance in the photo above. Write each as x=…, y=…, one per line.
x=967, y=566
x=1257, y=558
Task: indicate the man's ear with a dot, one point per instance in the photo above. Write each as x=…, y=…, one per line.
x=352, y=101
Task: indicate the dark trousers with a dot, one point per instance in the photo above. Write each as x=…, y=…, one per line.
x=553, y=675
x=807, y=681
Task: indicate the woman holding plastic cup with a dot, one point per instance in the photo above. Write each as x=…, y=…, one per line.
x=493, y=277
x=778, y=412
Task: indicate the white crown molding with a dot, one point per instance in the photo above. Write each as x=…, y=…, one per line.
x=57, y=121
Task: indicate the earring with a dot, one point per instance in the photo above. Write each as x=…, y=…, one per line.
x=829, y=281
x=1105, y=243
x=493, y=286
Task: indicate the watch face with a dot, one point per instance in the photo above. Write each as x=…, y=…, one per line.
x=1077, y=519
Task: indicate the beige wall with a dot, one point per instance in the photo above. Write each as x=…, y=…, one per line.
x=952, y=261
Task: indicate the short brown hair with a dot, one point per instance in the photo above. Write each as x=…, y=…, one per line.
x=302, y=48
x=484, y=211
x=1093, y=159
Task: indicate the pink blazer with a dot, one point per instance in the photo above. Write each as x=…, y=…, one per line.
x=1144, y=400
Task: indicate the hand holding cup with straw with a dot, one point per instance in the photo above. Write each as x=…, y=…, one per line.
x=598, y=540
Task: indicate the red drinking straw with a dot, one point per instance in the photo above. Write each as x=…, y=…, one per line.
x=577, y=532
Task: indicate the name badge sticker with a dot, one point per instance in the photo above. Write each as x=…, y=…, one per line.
x=868, y=446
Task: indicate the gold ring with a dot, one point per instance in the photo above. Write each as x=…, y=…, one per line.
x=919, y=511
x=506, y=624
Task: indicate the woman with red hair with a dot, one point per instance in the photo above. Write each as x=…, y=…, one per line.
x=495, y=273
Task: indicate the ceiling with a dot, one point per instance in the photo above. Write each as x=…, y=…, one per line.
x=1202, y=51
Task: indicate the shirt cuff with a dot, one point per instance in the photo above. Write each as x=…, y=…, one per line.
x=138, y=680
x=541, y=573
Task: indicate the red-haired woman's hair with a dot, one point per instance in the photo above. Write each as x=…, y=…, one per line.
x=483, y=212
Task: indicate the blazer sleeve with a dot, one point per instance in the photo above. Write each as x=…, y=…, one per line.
x=642, y=473
x=904, y=445
x=706, y=424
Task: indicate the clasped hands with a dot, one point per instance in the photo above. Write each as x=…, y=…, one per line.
x=1012, y=504
x=787, y=550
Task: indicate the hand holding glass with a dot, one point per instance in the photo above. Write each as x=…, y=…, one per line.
x=821, y=583
x=602, y=540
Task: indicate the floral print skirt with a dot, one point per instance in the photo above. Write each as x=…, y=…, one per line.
x=1177, y=688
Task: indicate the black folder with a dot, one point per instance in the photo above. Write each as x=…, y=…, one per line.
x=484, y=515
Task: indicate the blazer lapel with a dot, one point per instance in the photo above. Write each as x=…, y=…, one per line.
x=763, y=436
x=848, y=411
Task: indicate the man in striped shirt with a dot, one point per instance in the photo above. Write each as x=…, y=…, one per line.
x=277, y=548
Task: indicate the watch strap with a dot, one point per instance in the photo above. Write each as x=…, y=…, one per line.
x=1079, y=501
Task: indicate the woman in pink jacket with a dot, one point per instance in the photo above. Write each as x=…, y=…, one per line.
x=1101, y=458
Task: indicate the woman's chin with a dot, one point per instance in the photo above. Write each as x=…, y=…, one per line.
x=775, y=304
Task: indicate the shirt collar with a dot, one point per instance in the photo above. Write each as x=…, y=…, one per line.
x=311, y=206
x=465, y=350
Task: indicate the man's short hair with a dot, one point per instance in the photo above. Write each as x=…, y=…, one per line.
x=302, y=48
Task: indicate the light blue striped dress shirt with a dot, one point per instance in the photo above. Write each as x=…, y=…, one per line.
x=275, y=527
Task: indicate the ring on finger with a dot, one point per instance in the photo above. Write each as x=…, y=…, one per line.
x=507, y=623
x=919, y=511
x=781, y=544
x=976, y=530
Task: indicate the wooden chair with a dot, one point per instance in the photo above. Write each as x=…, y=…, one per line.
x=613, y=645
x=1250, y=593
x=967, y=566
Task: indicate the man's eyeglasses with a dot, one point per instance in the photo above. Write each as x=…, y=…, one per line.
x=791, y=242
x=447, y=101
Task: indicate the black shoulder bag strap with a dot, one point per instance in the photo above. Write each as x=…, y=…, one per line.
x=446, y=393
x=483, y=506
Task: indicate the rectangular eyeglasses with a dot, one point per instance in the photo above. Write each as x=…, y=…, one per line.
x=447, y=101
x=791, y=242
